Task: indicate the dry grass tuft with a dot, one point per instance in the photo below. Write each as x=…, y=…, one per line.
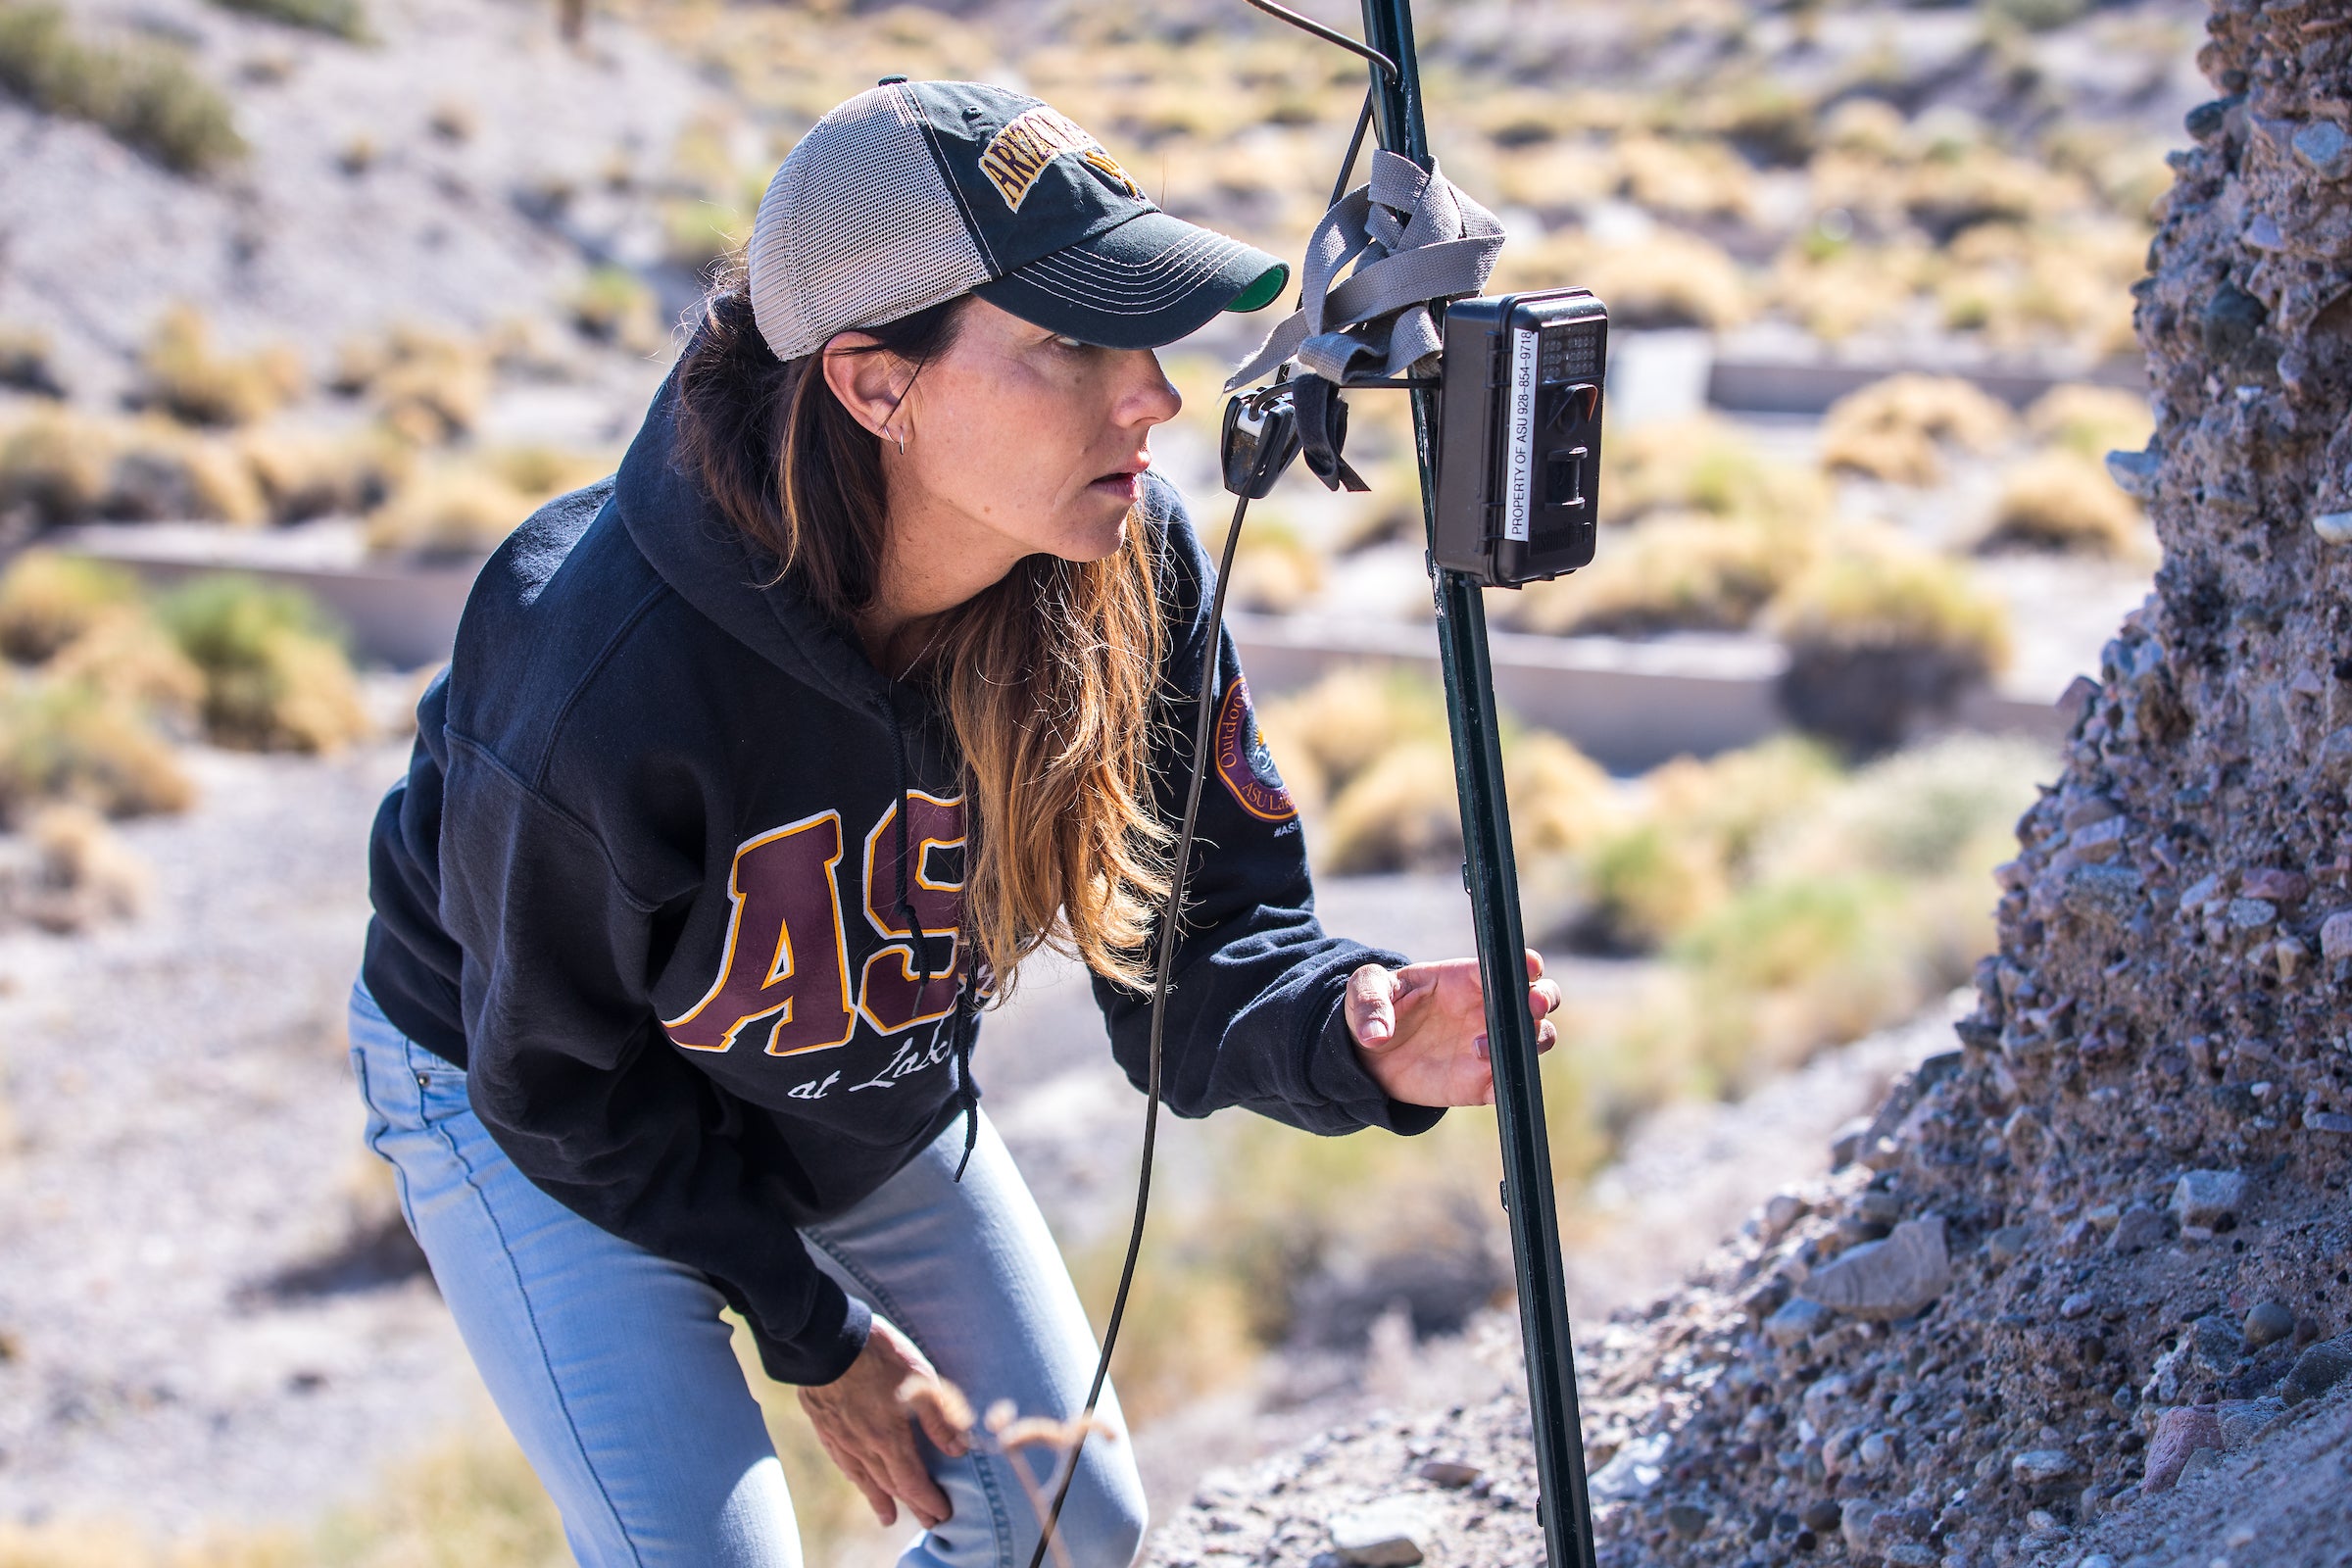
x=2063, y=502
x=2091, y=420
x=68, y=743
x=142, y=91
x=125, y=656
x=1326, y=735
x=455, y=514
x=54, y=466
x=1897, y=429
x=70, y=873
x=1275, y=569
x=1882, y=636
x=302, y=476
x=273, y=678
x=185, y=376
x=1673, y=571
x=429, y=388
x=24, y=362
x=614, y=305
x=341, y=19
x=1398, y=814
x=48, y=600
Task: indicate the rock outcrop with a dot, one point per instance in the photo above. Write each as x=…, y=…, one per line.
x=2105, y=1240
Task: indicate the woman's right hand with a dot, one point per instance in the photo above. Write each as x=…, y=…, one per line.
x=867, y=1419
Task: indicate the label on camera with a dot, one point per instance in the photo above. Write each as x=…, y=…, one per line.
x=1519, y=436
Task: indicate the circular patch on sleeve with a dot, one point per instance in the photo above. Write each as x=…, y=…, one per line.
x=1244, y=762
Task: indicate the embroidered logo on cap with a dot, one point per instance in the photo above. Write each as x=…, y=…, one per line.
x=1018, y=154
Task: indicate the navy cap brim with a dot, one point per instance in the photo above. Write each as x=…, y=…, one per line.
x=1140, y=285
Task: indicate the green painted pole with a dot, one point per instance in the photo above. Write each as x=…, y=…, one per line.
x=1492, y=877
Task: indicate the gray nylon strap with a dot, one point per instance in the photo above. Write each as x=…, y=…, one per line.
x=1411, y=236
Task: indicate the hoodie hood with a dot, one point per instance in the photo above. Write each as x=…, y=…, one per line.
x=699, y=553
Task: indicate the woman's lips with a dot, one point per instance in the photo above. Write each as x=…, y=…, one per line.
x=1126, y=486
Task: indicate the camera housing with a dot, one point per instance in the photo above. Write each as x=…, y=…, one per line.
x=1518, y=450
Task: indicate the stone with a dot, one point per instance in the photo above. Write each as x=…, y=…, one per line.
x=2041, y=1467
x=2216, y=1344
x=2251, y=915
x=2326, y=1121
x=1847, y=1141
x=1822, y=1515
x=2180, y=1433
x=2135, y=473
x=2335, y=935
x=2100, y=840
x=1796, y=1322
x=1633, y=1471
x=2266, y=1323
x=2097, y=1559
x=1781, y=1210
x=2323, y=148
x=1448, y=1473
x=2332, y=527
x=2007, y=1243
x=2243, y=1420
x=2077, y=1305
x=2271, y=883
x=2138, y=1229
x=1687, y=1520
x=1387, y=1534
x=2209, y=1197
x=1885, y=1280
x=2318, y=1369
x=1854, y=1522
x=1875, y=1450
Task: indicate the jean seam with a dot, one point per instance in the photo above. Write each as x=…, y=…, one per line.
x=998, y=1514
x=530, y=1314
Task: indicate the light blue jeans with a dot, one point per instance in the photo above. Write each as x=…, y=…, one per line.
x=616, y=1374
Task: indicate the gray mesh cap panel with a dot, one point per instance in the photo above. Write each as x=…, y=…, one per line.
x=857, y=227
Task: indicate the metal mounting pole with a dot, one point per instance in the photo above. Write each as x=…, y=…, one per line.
x=1492, y=878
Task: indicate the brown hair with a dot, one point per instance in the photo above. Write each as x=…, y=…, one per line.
x=1046, y=677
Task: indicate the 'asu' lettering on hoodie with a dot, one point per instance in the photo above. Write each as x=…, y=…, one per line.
x=675, y=874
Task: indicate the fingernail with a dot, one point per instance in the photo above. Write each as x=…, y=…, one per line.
x=1376, y=1029
x=1480, y=1045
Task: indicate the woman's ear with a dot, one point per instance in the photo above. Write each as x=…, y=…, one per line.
x=868, y=381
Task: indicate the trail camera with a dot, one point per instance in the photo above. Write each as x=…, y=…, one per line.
x=1518, y=460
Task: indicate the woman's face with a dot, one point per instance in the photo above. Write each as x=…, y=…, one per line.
x=1018, y=440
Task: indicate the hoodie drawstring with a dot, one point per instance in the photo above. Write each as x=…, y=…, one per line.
x=961, y=1030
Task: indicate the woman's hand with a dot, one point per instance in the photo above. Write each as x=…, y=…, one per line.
x=867, y=1419
x=1422, y=1030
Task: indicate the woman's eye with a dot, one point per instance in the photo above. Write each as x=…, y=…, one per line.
x=1061, y=342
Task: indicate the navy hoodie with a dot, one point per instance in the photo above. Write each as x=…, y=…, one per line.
x=655, y=875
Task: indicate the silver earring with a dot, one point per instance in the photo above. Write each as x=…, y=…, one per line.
x=898, y=436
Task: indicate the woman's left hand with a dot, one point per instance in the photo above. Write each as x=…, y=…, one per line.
x=1422, y=1030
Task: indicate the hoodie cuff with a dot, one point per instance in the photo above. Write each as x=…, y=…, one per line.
x=825, y=1345
x=1337, y=1071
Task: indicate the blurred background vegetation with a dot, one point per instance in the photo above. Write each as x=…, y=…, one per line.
x=1928, y=189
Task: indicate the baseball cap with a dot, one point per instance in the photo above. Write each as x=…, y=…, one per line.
x=915, y=192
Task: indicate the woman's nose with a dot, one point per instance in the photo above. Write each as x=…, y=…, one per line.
x=1147, y=396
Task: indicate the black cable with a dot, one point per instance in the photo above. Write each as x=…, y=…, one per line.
x=1388, y=67
x=1171, y=917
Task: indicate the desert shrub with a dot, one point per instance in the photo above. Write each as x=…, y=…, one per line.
x=343, y=19
x=48, y=600
x=54, y=466
x=1882, y=636
x=1274, y=569
x=456, y=515
x=1400, y=814
x=1670, y=279
x=428, y=386
x=142, y=92
x=159, y=472
x=1324, y=736
x=1670, y=572
x=302, y=476
x=614, y=305
x=1641, y=885
x=124, y=654
x=1835, y=290
x=274, y=680
x=2091, y=420
x=61, y=742
x=70, y=873
x=184, y=376
x=2063, y=502
x=540, y=473
x=24, y=362
x=1685, y=179
x=1560, y=799
x=1896, y=428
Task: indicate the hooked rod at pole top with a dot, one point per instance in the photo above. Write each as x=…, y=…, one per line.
x=1388, y=67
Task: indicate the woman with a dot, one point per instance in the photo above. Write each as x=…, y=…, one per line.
x=758, y=769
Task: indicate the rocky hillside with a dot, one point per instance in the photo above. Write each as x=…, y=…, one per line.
x=2095, y=1253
